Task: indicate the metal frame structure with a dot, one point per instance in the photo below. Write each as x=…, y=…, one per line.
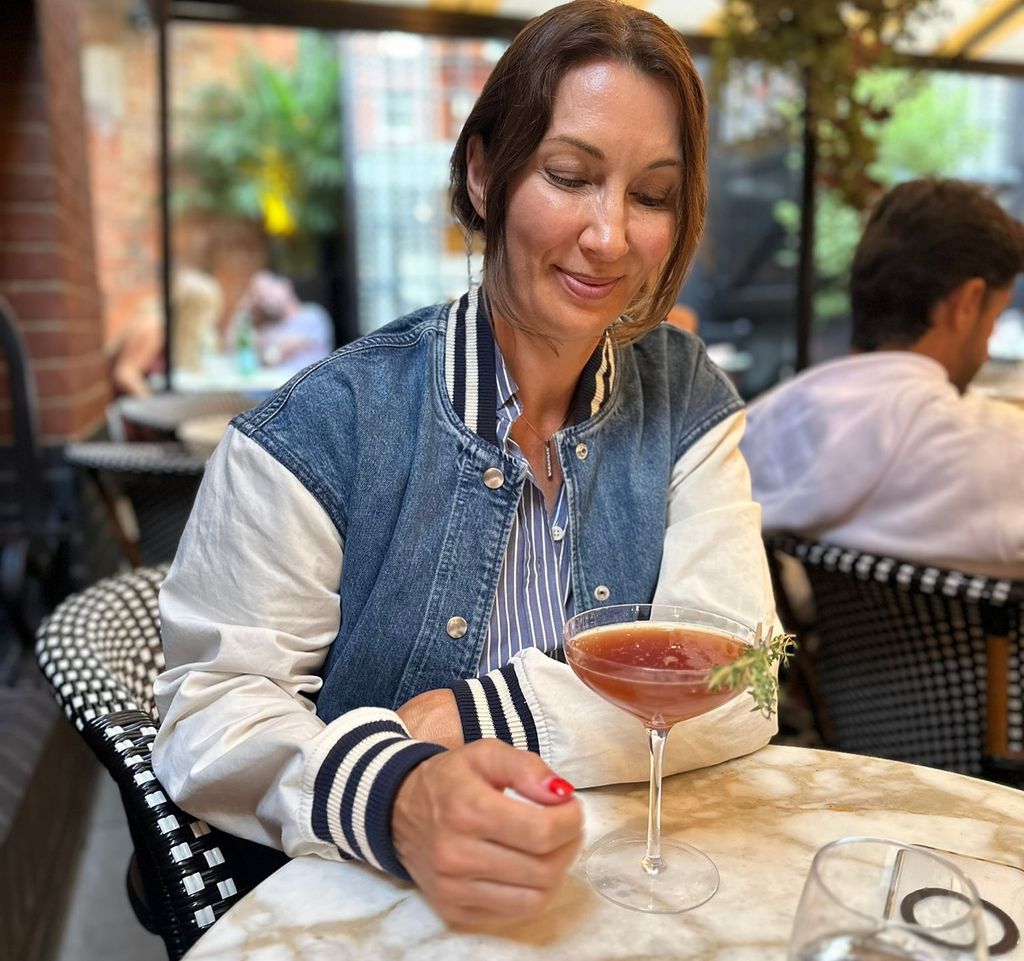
x=343, y=15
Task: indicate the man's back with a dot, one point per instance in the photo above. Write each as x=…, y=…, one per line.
x=880, y=452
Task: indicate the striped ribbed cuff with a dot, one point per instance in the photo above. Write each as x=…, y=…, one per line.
x=494, y=706
x=355, y=790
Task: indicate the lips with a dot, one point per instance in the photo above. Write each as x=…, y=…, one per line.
x=586, y=286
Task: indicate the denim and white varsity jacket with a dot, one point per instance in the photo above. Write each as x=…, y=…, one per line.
x=285, y=665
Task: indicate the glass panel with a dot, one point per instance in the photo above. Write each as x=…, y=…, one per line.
x=383, y=241
x=943, y=124
x=258, y=289
x=742, y=285
x=406, y=99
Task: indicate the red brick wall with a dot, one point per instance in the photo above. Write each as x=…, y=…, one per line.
x=121, y=114
x=47, y=267
x=120, y=73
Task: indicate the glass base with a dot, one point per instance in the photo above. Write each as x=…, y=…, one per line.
x=686, y=879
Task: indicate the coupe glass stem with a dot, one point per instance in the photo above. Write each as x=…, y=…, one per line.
x=652, y=862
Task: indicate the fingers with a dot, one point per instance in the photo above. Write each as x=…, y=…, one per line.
x=476, y=852
x=474, y=901
x=515, y=823
x=512, y=822
x=494, y=883
x=504, y=766
x=476, y=861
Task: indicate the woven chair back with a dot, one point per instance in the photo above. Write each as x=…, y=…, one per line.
x=901, y=656
x=100, y=651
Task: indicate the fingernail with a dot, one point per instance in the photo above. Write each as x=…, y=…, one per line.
x=560, y=787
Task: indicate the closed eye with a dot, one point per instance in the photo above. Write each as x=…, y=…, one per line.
x=560, y=181
x=650, y=200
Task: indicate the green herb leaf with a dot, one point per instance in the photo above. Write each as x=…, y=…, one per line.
x=753, y=670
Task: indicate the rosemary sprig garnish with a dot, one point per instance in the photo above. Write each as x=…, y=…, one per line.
x=753, y=670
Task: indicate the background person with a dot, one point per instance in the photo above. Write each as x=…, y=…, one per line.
x=287, y=333
x=384, y=553
x=197, y=301
x=884, y=451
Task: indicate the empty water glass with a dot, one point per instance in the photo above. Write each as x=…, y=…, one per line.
x=870, y=899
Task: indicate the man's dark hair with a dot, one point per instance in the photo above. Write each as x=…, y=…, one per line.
x=923, y=240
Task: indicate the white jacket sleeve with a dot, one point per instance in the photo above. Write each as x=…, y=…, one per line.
x=249, y=610
x=713, y=560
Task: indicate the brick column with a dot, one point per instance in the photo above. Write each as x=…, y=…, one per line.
x=47, y=263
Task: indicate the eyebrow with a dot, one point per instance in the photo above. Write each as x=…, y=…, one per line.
x=598, y=154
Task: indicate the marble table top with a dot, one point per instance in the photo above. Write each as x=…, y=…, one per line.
x=761, y=818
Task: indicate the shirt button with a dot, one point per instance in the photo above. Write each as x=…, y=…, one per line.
x=456, y=627
x=557, y=533
x=493, y=478
x=601, y=593
x=581, y=451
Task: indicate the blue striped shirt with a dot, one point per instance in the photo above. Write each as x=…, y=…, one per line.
x=534, y=595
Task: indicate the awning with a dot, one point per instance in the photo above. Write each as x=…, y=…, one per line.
x=969, y=30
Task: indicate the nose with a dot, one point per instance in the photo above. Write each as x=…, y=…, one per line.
x=604, y=233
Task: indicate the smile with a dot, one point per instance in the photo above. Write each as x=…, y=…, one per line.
x=591, y=288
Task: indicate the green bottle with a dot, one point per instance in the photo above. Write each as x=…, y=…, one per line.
x=245, y=346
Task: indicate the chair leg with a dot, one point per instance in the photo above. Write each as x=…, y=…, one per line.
x=13, y=588
x=128, y=546
x=997, y=689
x=999, y=763
x=137, y=896
x=802, y=666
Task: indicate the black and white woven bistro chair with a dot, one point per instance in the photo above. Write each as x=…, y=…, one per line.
x=100, y=651
x=159, y=481
x=915, y=663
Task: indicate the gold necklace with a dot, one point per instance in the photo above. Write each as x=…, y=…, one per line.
x=549, y=468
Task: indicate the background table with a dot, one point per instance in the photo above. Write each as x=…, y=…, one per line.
x=761, y=818
x=1001, y=380
x=221, y=372
x=163, y=413
x=147, y=490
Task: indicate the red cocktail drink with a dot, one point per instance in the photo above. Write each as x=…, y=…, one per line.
x=654, y=661
x=674, y=662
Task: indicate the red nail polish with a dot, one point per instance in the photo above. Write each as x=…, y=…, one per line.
x=560, y=787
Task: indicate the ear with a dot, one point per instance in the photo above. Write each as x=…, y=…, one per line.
x=963, y=305
x=476, y=175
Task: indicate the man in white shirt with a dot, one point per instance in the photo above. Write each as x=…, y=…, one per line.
x=885, y=451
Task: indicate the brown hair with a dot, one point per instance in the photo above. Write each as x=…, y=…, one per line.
x=923, y=240
x=514, y=111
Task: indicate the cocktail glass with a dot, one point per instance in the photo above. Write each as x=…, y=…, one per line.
x=654, y=662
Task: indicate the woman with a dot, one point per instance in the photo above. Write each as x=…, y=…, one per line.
x=139, y=351
x=408, y=523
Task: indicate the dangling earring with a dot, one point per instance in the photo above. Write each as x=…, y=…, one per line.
x=468, y=236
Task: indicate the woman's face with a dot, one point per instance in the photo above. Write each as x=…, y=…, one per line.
x=592, y=216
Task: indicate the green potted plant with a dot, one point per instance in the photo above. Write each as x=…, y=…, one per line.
x=269, y=149
x=917, y=139
x=825, y=46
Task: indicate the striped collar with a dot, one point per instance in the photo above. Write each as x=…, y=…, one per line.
x=470, y=372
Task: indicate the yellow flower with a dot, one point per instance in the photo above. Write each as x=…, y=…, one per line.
x=276, y=197
x=277, y=215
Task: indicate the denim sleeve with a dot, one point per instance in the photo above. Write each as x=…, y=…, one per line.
x=249, y=610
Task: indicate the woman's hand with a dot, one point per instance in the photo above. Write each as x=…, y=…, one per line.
x=476, y=853
x=433, y=716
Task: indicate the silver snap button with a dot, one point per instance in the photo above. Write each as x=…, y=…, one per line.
x=581, y=451
x=456, y=627
x=557, y=533
x=601, y=593
x=493, y=478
